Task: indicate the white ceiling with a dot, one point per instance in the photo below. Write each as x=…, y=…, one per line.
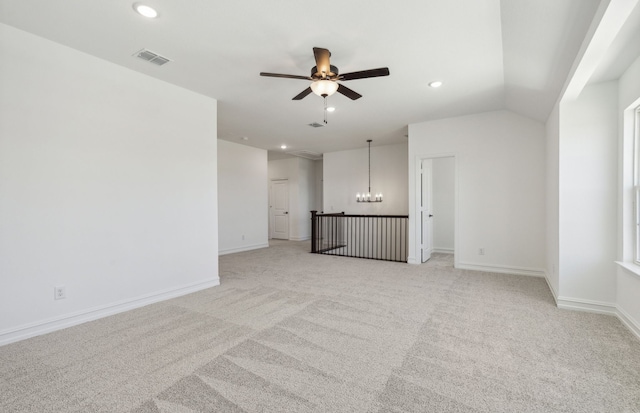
x=621, y=53
x=491, y=54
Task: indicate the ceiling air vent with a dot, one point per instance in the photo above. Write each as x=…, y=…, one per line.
x=316, y=125
x=306, y=154
x=151, y=57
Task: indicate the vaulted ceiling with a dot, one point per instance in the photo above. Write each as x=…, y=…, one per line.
x=490, y=54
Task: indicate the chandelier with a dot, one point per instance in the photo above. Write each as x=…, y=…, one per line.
x=366, y=196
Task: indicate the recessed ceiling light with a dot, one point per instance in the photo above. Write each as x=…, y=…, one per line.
x=436, y=83
x=283, y=146
x=244, y=138
x=145, y=10
x=331, y=109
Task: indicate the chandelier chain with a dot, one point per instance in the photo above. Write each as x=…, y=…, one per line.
x=369, y=140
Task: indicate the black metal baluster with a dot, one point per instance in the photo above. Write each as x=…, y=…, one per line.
x=360, y=237
x=368, y=238
x=334, y=228
x=386, y=239
x=379, y=237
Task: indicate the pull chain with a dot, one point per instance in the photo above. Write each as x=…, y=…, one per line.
x=325, y=110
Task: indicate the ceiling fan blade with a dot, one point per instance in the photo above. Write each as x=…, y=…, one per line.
x=348, y=92
x=323, y=64
x=302, y=94
x=363, y=74
x=285, y=76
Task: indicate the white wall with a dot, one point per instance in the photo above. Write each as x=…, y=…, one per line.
x=443, y=171
x=107, y=186
x=346, y=173
x=242, y=198
x=318, y=183
x=588, y=157
x=500, y=168
x=552, y=200
x=301, y=229
x=628, y=282
x=301, y=174
x=590, y=191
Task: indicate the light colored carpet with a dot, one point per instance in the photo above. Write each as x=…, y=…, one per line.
x=289, y=331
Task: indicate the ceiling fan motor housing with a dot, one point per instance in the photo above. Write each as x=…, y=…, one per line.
x=317, y=75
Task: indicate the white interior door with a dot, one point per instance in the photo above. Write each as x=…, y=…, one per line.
x=279, y=209
x=426, y=209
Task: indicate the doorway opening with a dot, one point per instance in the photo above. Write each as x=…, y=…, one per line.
x=436, y=209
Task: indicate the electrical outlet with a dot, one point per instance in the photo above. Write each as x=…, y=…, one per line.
x=481, y=251
x=59, y=292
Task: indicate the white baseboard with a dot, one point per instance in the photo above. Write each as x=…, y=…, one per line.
x=243, y=248
x=503, y=269
x=80, y=317
x=416, y=261
x=553, y=291
x=590, y=306
x=305, y=238
x=629, y=322
x=599, y=307
x=444, y=250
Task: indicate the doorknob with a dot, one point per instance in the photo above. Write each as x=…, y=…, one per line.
x=430, y=215
x=286, y=212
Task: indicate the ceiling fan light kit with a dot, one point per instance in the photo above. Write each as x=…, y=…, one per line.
x=324, y=88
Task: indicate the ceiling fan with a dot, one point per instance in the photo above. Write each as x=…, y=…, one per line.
x=324, y=77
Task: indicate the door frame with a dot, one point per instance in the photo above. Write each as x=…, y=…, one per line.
x=271, y=213
x=426, y=183
x=415, y=222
